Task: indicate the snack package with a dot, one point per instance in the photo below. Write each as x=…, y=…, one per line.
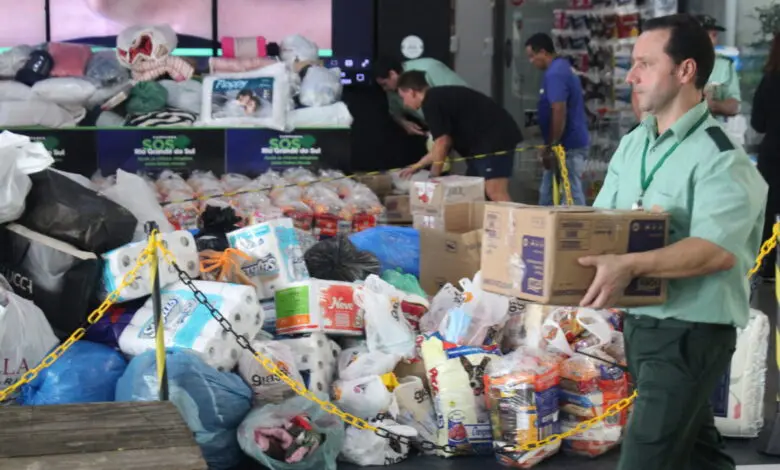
x=288, y=200
x=338, y=182
x=523, y=396
x=455, y=374
x=367, y=209
x=331, y=215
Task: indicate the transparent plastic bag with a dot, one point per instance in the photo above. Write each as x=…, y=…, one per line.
x=478, y=318
x=367, y=208
x=338, y=181
x=332, y=216
x=212, y=403
x=299, y=175
x=270, y=416
x=86, y=373
x=15, y=187
x=267, y=387
x=320, y=86
x=337, y=259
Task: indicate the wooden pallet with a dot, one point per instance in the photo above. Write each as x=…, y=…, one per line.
x=99, y=436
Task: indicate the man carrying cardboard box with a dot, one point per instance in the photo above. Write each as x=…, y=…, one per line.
x=679, y=160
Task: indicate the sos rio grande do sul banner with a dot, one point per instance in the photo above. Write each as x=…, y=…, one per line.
x=248, y=151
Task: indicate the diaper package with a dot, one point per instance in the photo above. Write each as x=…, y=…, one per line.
x=738, y=401
x=276, y=257
x=315, y=358
x=455, y=377
x=267, y=387
x=117, y=263
x=523, y=393
x=189, y=325
x=317, y=305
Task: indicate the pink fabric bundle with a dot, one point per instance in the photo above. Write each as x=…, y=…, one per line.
x=241, y=48
x=70, y=60
x=290, y=443
x=227, y=65
x=178, y=68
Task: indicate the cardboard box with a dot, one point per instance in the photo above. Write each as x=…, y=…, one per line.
x=531, y=252
x=453, y=252
x=381, y=185
x=434, y=222
x=431, y=196
x=398, y=210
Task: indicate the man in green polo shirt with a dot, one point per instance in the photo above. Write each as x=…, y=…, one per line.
x=723, y=94
x=436, y=74
x=679, y=160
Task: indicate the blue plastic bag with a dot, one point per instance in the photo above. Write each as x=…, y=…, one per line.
x=271, y=416
x=212, y=403
x=86, y=373
x=395, y=247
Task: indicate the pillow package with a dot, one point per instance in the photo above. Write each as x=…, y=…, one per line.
x=257, y=98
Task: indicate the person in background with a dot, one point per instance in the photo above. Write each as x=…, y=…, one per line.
x=680, y=161
x=562, y=116
x=765, y=118
x=468, y=122
x=722, y=92
x=436, y=74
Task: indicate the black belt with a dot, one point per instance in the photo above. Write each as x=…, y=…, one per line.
x=662, y=323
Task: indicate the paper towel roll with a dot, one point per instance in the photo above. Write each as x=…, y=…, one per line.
x=118, y=262
x=277, y=258
x=190, y=325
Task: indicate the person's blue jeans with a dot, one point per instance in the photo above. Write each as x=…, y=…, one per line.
x=575, y=163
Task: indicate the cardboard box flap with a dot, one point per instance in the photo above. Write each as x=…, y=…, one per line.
x=464, y=217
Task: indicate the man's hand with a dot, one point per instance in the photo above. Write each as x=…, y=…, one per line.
x=411, y=128
x=407, y=172
x=546, y=157
x=613, y=274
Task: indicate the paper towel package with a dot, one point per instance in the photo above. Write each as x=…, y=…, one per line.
x=189, y=325
x=117, y=263
x=277, y=258
x=316, y=360
x=317, y=305
x=738, y=401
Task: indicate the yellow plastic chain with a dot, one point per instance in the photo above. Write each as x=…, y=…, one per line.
x=93, y=318
x=560, y=153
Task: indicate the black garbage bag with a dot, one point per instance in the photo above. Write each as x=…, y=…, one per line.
x=337, y=259
x=214, y=223
x=62, y=209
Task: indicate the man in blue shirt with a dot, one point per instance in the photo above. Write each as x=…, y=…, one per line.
x=561, y=116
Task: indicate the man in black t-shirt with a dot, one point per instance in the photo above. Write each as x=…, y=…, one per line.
x=469, y=122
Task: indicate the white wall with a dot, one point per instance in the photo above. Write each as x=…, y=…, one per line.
x=747, y=27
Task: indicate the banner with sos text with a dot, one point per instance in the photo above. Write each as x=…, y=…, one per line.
x=254, y=151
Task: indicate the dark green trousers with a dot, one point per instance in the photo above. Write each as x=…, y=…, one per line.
x=676, y=366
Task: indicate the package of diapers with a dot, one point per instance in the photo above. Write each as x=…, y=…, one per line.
x=738, y=401
x=455, y=374
x=117, y=263
x=316, y=360
x=190, y=325
x=276, y=260
x=318, y=306
x=258, y=98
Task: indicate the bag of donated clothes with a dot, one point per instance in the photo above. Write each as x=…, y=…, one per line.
x=212, y=403
x=86, y=373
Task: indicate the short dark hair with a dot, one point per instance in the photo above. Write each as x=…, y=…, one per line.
x=687, y=40
x=384, y=65
x=245, y=92
x=413, y=80
x=541, y=42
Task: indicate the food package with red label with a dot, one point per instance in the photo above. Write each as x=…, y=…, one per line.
x=288, y=200
x=367, y=208
x=299, y=175
x=318, y=305
x=589, y=386
x=338, y=182
x=178, y=198
x=332, y=216
x=253, y=204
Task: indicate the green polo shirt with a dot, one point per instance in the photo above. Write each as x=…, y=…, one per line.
x=724, y=74
x=712, y=191
x=436, y=74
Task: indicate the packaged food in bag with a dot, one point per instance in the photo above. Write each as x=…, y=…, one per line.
x=331, y=215
x=367, y=208
x=523, y=396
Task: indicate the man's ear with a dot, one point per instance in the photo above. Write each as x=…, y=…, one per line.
x=687, y=71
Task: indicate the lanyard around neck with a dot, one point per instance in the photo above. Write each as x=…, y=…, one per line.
x=645, y=179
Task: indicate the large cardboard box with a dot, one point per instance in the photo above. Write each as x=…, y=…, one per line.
x=429, y=197
x=397, y=209
x=452, y=252
x=531, y=252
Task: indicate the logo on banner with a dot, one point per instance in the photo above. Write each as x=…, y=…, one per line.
x=165, y=150
x=52, y=144
x=292, y=145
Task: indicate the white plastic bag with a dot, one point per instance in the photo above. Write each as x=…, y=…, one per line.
x=365, y=397
x=134, y=194
x=359, y=362
x=31, y=157
x=267, y=387
x=321, y=86
x=387, y=329
x=365, y=448
x=296, y=48
x=14, y=186
x=25, y=335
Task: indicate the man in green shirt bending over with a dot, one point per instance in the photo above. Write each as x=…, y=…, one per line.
x=436, y=74
x=679, y=160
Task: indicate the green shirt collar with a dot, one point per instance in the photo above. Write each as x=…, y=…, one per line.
x=681, y=127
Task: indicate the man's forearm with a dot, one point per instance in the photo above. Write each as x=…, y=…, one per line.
x=558, y=124
x=690, y=257
x=728, y=107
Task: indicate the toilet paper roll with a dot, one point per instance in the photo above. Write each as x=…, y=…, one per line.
x=117, y=263
x=276, y=255
x=315, y=358
x=190, y=325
